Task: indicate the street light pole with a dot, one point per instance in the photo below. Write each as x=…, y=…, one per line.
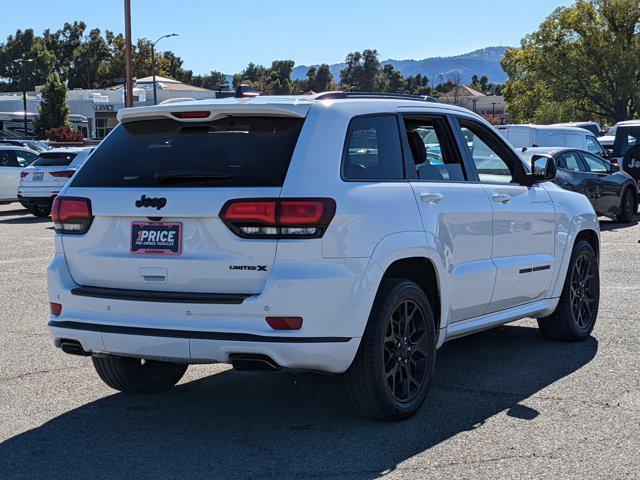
x=153, y=63
x=23, y=62
x=128, y=55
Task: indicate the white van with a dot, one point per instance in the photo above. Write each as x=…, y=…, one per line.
x=528, y=136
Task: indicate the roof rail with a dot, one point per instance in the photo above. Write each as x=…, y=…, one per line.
x=397, y=96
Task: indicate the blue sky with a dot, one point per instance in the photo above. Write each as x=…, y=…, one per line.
x=227, y=35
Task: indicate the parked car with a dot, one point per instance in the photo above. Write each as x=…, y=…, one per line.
x=35, y=145
x=528, y=136
x=593, y=127
x=612, y=192
x=608, y=139
x=626, y=148
x=311, y=233
x=44, y=178
x=12, y=161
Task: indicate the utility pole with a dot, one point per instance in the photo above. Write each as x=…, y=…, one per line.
x=128, y=99
x=153, y=63
x=23, y=62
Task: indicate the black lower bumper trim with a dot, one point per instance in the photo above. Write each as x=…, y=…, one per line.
x=36, y=201
x=191, y=334
x=158, y=296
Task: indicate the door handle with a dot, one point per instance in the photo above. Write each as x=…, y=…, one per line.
x=432, y=198
x=501, y=198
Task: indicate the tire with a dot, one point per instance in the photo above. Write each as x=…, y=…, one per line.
x=627, y=208
x=376, y=384
x=577, y=311
x=135, y=375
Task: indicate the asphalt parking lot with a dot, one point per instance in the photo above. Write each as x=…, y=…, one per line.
x=505, y=403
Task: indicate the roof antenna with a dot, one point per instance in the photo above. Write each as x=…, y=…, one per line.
x=244, y=91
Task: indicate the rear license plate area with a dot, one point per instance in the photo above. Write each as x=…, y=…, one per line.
x=36, y=177
x=156, y=238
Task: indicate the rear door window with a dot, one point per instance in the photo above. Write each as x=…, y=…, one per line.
x=372, y=151
x=54, y=159
x=228, y=152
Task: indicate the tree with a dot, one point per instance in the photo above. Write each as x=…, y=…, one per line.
x=212, y=81
x=63, y=43
x=583, y=61
x=394, y=82
x=319, y=79
x=363, y=72
x=24, y=45
x=89, y=62
x=278, y=78
x=54, y=110
x=418, y=85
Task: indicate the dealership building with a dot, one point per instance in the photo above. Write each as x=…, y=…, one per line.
x=100, y=106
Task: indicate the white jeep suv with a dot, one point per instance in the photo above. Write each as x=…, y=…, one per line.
x=341, y=233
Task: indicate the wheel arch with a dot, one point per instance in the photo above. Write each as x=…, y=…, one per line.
x=422, y=271
x=583, y=227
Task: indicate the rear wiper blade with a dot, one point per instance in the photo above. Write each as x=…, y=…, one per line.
x=186, y=175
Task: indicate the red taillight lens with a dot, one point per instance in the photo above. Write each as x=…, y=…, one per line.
x=294, y=212
x=23, y=174
x=279, y=217
x=250, y=211
x=55, y=308
x=191, y=114
x=71, y=215
x=285, y=323
x=64, y=174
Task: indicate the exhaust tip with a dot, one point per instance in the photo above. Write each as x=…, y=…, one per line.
x=253, y=362
x=73, y=347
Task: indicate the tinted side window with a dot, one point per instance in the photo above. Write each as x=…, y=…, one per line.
x=25, y=158
x=373, y=149
x=8, y=159
x=595, y=164
x=571, y=161
x=432, y=150
x=494, y=161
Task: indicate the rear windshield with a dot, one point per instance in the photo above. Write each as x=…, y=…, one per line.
x=56, y=159
x=229, y=152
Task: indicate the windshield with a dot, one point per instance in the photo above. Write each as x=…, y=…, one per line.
x=232, y=151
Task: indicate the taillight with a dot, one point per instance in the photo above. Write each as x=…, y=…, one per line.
x=63, y=174
x=279, y=217
x=71, y=215
x=23, y=174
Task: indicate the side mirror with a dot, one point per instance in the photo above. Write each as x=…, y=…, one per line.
x=543, y=169
x=615, y=167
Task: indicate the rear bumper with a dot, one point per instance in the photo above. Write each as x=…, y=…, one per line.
x=333, y=355
x=334, y=299
x=28, y=201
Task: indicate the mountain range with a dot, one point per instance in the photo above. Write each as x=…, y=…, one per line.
x=485, y=61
